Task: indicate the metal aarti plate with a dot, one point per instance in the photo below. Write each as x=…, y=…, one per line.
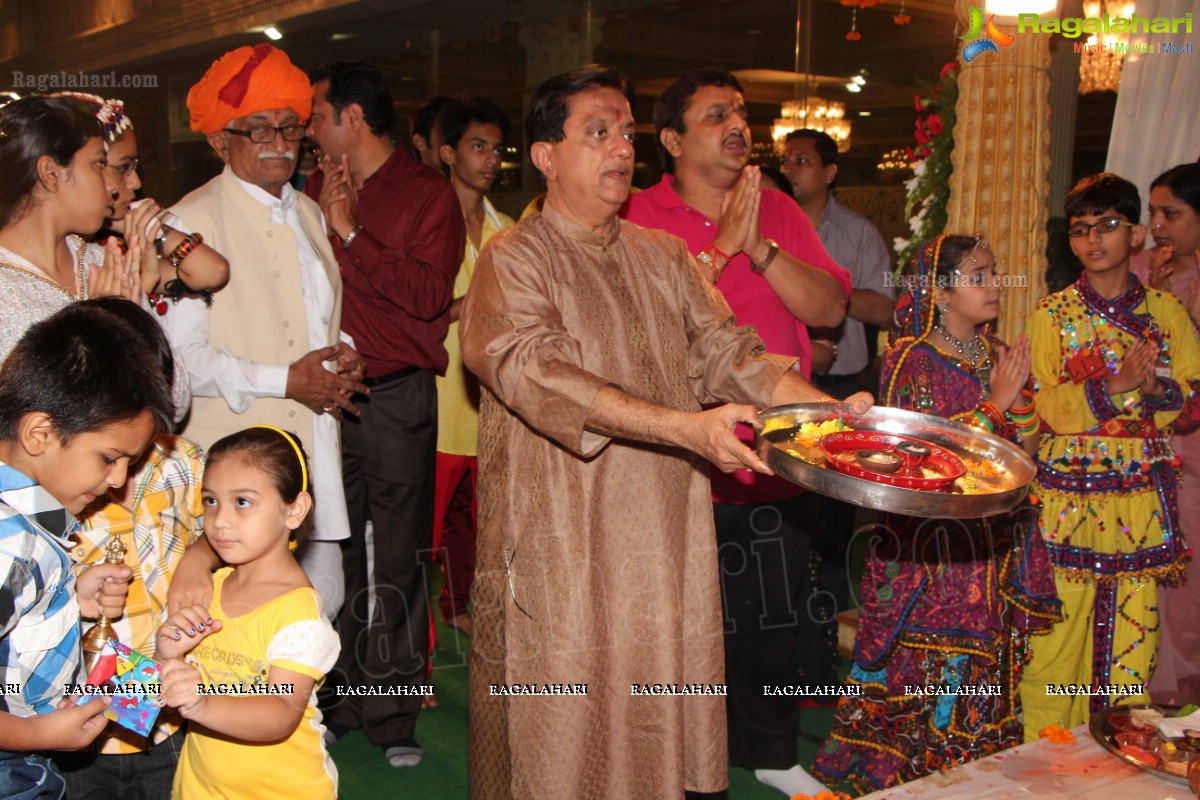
x=1102, y=730
x=998, y=472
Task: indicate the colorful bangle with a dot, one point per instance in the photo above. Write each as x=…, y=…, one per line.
x=976, y=419
x=1026, y=421
x=1024, y=417
x=992, y=415
x=184, y=249
x=1022, y=413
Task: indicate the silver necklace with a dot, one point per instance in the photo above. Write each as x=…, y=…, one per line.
x=973, y=352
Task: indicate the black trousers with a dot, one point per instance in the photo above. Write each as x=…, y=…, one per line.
x=831, y=555
x=388, y=458
x=765, y=587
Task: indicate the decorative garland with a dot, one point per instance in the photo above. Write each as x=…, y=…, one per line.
x=929, y=188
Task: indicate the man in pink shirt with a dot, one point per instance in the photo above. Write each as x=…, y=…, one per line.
x=763, y=254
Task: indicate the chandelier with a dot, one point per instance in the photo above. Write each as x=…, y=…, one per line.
x=1103, y=53
x=893, y=163
x=827, y=116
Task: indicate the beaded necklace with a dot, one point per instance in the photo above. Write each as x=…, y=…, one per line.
x=81, y=282
x=973, y=352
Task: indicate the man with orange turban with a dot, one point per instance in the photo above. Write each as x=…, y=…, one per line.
x=268, y=350
x=244, y=81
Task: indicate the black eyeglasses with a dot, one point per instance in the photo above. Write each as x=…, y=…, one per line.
x=126, y=169
x=265, y=134
x=1106, y=225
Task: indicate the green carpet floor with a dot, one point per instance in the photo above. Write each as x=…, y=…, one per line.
x=442, y=731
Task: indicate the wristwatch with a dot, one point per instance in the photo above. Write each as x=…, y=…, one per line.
x=772, y=250
x=159, y=239
x=350, y=236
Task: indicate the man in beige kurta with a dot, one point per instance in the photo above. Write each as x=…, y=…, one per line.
x=598, y=341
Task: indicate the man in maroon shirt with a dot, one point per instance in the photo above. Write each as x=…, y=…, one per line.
x=398, y=233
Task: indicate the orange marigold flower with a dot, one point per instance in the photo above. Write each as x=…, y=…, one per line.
x=853, y=36
x=901, y=19
x=1057, y=734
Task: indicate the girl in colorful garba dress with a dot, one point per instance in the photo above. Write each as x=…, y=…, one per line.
x=257, y=655
x=948, y=605
x=1116, y=365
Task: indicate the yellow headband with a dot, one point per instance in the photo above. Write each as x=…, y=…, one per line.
x=299, y=454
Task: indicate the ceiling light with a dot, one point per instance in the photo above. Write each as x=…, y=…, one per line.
x=272, y=33
x=815, y=114
x=1103, y=55
x=864, y=113
x=859, y=80
x=853, y=87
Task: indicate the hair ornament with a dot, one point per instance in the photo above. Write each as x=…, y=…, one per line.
x=111, y=113
x=296, y=448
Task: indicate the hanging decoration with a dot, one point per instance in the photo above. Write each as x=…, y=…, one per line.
x=929, y=187
x=902, y=18
x=854, y=35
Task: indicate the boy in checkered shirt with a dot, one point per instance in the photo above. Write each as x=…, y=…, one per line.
x=81, y=398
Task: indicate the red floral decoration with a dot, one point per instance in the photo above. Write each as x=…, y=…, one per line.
x=902, y=18
x=853, y=35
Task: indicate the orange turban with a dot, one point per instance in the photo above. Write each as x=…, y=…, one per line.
x=245, y=81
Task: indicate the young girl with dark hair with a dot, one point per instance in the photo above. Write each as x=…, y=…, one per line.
x=948, y=605
x=172, y=263
x=56, y=185
x=261, y=649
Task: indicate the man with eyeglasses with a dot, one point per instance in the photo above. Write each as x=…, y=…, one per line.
x=397, y=231
x=268, y=350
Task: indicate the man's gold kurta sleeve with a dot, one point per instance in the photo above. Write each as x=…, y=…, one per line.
x=514, y=340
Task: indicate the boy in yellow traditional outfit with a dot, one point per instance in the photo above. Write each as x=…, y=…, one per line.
x=1117, y=365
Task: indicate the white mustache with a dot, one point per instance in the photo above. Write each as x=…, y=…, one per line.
x=285, y=155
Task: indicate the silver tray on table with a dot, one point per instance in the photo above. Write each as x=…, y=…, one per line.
x=1002, y=481
x=1105, y=734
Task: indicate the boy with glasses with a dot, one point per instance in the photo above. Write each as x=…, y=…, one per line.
x=1117, y=365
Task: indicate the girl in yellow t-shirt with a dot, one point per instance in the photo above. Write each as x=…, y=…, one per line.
x=257, y=655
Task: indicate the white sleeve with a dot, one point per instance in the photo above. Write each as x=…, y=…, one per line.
x=310, y=643
x=216, y=372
